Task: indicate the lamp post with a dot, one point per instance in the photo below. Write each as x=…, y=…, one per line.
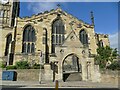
x=40, y=73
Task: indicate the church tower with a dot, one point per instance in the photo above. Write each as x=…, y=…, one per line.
x=9, y=10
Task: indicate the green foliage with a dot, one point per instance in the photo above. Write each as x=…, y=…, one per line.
x=99, y=61
x=37, y=66
x=10, y=67
x=114, y=53
x=115, y=65
x=22, y=65
x=2, y=64
x=105, y=54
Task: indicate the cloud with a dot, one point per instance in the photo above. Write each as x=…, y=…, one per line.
x=37, y=7
x=3, y=1
x=114, y=40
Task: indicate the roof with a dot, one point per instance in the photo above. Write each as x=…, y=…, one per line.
x=46, y=13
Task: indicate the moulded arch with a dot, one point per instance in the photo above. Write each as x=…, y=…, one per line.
x=78, y=61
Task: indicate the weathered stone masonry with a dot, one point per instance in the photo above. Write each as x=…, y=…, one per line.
x=67, y=44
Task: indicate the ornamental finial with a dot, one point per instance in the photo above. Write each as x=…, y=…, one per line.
x=92, y=18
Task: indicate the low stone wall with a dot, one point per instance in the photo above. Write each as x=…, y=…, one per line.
x=27, y=74
x=110, y=76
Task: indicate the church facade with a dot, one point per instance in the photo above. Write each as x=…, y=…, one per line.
x=56, y=39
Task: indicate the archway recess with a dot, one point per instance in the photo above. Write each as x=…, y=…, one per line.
x=71, y=68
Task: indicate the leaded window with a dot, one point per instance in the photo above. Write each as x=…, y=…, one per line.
x=83, y=37
x=57, y=34
x=8, y=41
x=28, y=45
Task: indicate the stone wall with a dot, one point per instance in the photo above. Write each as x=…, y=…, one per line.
x=26, y=74
x=110, y=76
x=33, y=75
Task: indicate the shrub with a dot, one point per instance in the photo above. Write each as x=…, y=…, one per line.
x=37, y=66
x=105, y=54
x=2, y=64
x=114, y=66
x=11, y=67
x=22, y=65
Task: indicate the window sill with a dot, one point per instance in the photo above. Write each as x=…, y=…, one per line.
x=28, y=53
x=53, y=55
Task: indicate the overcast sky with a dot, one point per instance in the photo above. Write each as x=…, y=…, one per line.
x=105, y=14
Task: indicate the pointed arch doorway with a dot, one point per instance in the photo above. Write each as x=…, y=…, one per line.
x=71, y=68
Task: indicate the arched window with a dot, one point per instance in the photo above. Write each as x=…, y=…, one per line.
x=8, y=41
x=83, y=37
x=57, y=33
x=28, y=45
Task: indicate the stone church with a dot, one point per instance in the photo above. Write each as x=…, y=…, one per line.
x=61, y=42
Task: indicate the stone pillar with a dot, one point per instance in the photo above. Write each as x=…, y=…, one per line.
x=92, y=71
x=48, y=73
x=84, y=71
x=97, y=77
x=60, y=72
x=89, y=70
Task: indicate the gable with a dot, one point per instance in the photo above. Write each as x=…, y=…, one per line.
x=48, y=15
x=72, y=41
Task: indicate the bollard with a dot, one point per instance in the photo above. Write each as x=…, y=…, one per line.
x=56, y=85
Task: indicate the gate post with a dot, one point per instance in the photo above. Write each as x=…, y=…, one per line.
x=60, y=73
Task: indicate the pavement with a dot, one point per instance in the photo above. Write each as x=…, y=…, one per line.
x=68, y=84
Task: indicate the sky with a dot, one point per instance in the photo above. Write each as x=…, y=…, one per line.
x=105, y=14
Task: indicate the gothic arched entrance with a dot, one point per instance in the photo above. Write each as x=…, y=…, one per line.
x=71, y=68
